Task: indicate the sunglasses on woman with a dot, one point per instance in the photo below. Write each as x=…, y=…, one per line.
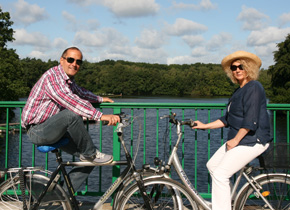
x=71, y=60
x=234, y=68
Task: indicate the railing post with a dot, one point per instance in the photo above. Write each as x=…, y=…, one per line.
x=116, y=148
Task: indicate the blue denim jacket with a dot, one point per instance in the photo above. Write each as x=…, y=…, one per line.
x=247, y=108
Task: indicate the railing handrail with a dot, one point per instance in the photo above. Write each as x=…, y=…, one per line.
x=154, y=105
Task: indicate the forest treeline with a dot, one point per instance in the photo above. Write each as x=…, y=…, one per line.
x=141, y=79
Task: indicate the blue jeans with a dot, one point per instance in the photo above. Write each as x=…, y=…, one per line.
x=70, y=125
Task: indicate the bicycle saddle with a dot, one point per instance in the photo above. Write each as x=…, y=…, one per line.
x=51, y=147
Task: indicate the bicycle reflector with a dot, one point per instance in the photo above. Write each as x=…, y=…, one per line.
x=2, y=173
x=265, y=193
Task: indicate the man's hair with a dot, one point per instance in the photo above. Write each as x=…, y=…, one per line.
x=71, y=48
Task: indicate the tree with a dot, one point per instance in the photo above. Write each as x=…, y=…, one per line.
x=280, y=73
x=6, y=32
x=11, y=83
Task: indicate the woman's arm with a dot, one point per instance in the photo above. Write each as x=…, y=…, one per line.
x=211, y=125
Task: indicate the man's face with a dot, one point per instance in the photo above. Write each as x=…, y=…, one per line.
x=71, y=69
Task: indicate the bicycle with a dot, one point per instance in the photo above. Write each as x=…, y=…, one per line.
x=264, y=191
x=30, y=188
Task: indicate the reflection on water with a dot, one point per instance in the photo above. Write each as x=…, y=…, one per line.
x=204, y=143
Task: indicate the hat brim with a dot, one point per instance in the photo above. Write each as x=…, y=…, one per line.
x=228, y=60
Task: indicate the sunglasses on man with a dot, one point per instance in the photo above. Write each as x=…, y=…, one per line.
x=234, y=68
x=71, y=60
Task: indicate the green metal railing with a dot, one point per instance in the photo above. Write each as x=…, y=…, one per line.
x=149, y=114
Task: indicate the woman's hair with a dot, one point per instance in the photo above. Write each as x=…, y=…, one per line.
x=249, y=66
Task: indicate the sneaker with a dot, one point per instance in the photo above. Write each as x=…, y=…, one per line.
x=98, y=158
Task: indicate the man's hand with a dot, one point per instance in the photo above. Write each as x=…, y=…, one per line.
x=112, y=119
x=106, y=99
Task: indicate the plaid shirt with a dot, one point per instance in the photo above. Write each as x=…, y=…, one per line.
x=54, y=92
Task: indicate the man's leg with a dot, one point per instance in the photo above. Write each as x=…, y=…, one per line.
x=54, y=128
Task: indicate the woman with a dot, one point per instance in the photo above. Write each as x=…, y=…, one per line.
x=248, y=122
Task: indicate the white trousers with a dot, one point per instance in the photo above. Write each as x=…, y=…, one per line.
x=224, y=164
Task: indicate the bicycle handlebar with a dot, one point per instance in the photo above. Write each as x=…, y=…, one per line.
x=175, y=121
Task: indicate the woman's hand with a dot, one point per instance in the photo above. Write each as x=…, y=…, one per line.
x=199, y=125
x=231, y=144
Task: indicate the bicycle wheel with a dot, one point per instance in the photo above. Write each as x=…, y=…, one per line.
x=163, y=193
x=274, y=187
x=11, y=197
x=128, y=181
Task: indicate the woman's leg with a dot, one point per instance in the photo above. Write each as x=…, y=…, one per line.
x=223, y=165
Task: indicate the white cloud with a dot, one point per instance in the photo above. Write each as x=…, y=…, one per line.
x=75, y=25
x=28, y=13
x=183, y=27
x=69, y=17
x=87, y=38
x=105, y=37
x=199, y=52
x=93, y=24
x=265, y=52
x=193, y=41
x=37, y=54
x=203, y=5
x=219, y=41
x=85, y=2
x=36, y=39
x=72, y=23
x=151, y=39
x=284, y=18
x=148, y=55
x=180, y=60
x=132, y=8
x=252, y=18
x=60, y=43
x=267, y=35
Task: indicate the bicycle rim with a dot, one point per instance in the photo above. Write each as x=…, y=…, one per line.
x=11, y=198
x=275, y=188
x=164, y=194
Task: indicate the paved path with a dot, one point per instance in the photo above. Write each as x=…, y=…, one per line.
x=89, y=206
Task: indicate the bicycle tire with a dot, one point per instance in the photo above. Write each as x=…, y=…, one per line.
x=164, y=193
x=128, y=181
x=11, y=198
x=278, y=185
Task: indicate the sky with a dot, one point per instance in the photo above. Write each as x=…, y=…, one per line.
x=150, y=31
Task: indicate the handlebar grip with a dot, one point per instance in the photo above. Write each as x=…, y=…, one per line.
x=105, y=122
x=190, y=123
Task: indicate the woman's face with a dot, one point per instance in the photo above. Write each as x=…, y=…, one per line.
x=239, y=72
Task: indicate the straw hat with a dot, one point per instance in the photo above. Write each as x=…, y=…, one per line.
x=227, y=61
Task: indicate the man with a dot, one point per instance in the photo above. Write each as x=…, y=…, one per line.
x=55, y=108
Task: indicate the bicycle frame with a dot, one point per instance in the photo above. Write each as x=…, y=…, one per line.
x=61, y=168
